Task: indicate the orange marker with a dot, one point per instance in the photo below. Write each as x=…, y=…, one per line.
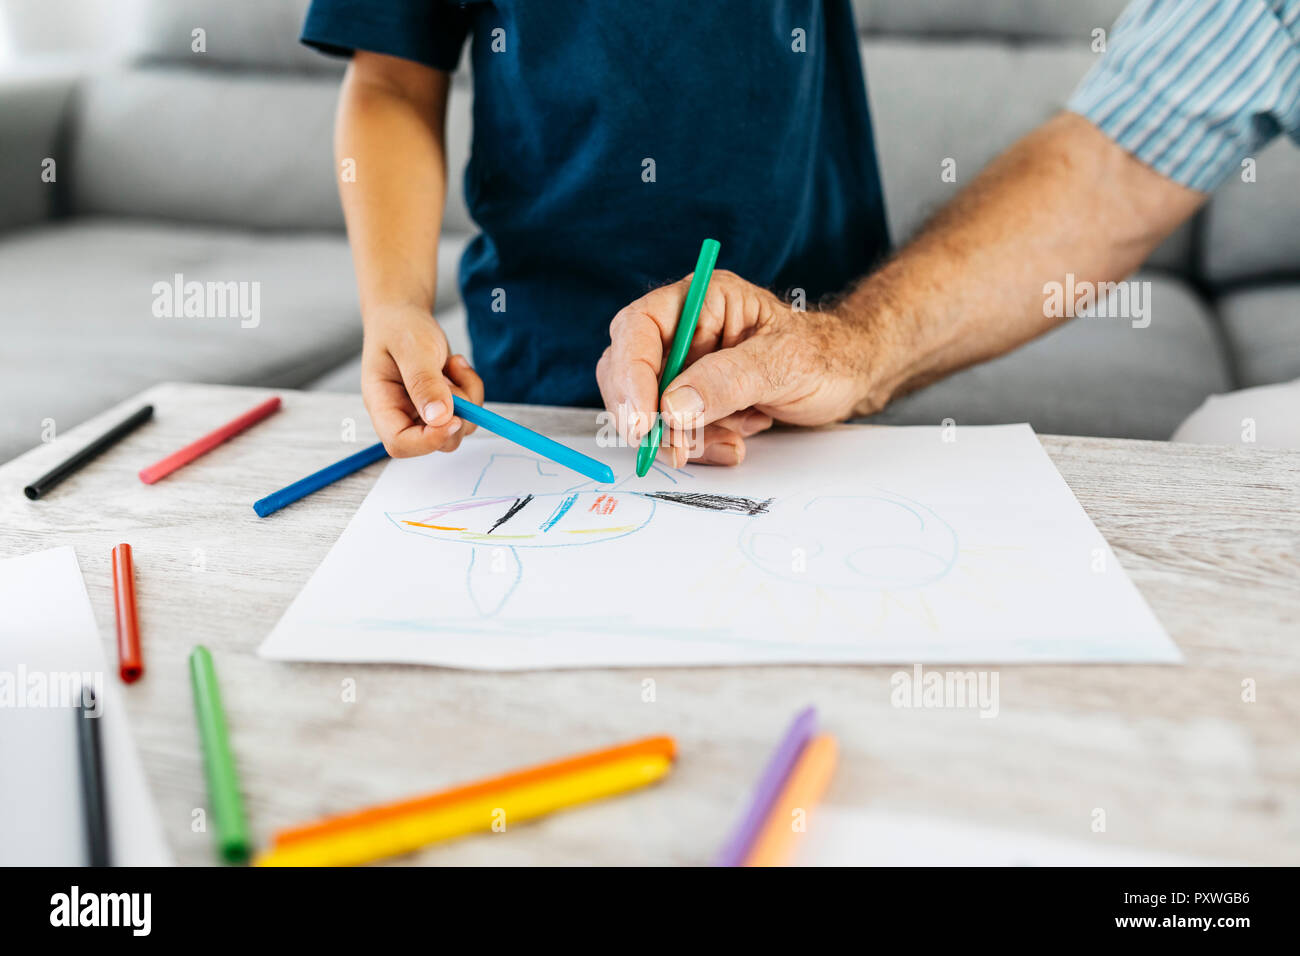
x=359, y=819
x=804, y=787
x=130, y=663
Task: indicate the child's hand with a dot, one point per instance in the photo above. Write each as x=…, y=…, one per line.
x=407, y=382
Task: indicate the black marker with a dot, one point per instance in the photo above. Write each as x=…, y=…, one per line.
x=91, y=757
x=111, y=437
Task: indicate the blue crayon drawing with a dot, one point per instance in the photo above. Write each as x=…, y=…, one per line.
x=560, y=511
x=874, y=541
x=497, y=527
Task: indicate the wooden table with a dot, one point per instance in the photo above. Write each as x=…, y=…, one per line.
x=1173, y=755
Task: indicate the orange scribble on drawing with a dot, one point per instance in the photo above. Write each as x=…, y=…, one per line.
x=604, y=505
x=435, y=527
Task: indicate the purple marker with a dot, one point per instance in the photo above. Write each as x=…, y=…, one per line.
x=768, y=788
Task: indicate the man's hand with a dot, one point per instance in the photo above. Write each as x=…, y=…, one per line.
x=753, y=360
x=407, y=381
x=968, y=288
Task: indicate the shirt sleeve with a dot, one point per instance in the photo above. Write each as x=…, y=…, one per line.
x=431, y=32
x=1192, y=87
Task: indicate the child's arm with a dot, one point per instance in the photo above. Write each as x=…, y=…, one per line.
x=390, y=132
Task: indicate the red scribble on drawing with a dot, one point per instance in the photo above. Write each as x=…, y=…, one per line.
x=604, y=505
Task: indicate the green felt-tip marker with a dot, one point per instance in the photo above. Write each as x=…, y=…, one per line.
x=645, y=456
x=234, y=843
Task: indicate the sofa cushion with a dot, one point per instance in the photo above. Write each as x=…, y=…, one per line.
x=1262, y=326
x=245, y=150
x=1252, y=229
x=967, y=101
x=1259, y=417
x=1092, y=376
x=80, y=331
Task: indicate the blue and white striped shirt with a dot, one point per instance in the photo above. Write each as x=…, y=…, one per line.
x=1193, y=87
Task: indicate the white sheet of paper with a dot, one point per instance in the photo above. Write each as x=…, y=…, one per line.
x=838, y=836
x=49, y=645
x=875, y=545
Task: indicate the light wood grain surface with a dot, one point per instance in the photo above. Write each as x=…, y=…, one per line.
x=1172, y=754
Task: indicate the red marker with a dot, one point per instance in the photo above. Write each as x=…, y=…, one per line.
x=131, y=664
x=208, y=442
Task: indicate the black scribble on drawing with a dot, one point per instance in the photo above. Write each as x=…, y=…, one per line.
x=744, y=506
x=513, y=510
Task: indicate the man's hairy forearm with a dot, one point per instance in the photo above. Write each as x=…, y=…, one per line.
x=390, y=124
x=969, y=287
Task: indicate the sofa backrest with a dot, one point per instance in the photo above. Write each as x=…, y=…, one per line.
x=223, y=147
x=261, y=35
x=241, y=134
x=954, y=105
x=1000, y=20
x=1251, y=228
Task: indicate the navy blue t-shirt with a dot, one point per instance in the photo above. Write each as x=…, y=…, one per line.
x=611, y=138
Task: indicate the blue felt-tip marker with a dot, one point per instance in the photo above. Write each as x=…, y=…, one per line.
x=546, y=447
x=318, y=480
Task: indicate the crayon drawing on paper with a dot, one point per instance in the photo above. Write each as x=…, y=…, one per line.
x=860, y=545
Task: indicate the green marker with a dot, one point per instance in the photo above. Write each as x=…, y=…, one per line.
x=234, y=844
x=645, y=456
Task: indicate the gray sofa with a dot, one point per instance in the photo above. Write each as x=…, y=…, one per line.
x=218, y=166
